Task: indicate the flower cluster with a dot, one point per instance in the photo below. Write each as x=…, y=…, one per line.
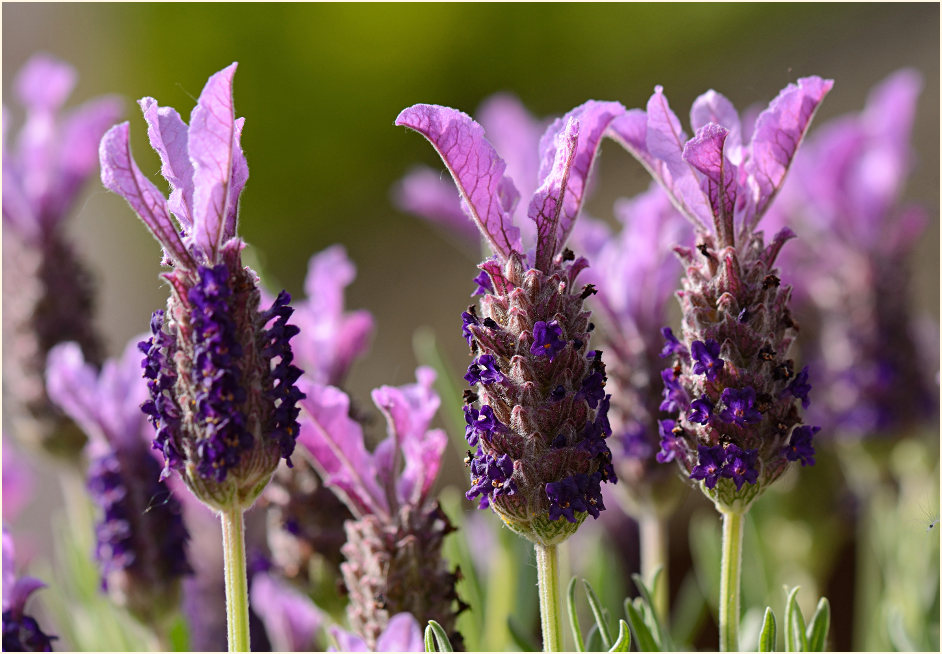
x=48, y=293
x=141, y=539
x=393, y=551
x=222, y=381
x=844, y=201
x=541, y=417
x=732, y=388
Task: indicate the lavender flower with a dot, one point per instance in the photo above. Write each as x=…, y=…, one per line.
x=844, y=199
x=223, y=399
x=636, y=273
x=291, y=619
x=18, y=482
x=736, y=323
x=305, y=517
x=402, y=634
x=141, y=540
x=47, y=291
x=21, y=632
x=393, y=550
x=533, y=325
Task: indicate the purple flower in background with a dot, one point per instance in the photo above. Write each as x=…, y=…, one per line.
x=21, y=632
x=48, y=295
x=291, y=619
x=534, y=325
x=402, y=634
x=394, y=542
x=141, y=539
x=845, y=199
x=222, y=382
x=733, y=301
x=18, y=482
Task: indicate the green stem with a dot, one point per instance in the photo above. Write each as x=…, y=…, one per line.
x=547, y=562
x=654, y=555
x=237, y=588
x=730, y=573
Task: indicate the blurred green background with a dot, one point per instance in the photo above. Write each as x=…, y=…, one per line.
x=320, y=86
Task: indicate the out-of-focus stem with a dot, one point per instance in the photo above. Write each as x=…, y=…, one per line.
x=654, y=555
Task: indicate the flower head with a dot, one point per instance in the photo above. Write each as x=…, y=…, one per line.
x=394, y=542
x=141, y=539
x=736, y=323
x=21, y=632
x=48, y=294
x=223, y=398
x=541, y=467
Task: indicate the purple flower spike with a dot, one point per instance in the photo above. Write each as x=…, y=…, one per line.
x=706, y=357
x=733, y=299
x=48, y=294
x=547, y=339
x=141, y=539
x=709, y=465
x=223, y=395
x=740, y=406
x=388, y=493
x=21, y=632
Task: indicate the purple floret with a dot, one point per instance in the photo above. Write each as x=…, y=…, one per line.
x=484, y=370
x=284, y=393
x=800, y=447
x=706, y=358
x=467, y=319
x=799, y=387
x=577, y=493
x=700, y=410
x=740, y=465
x=675, y=398
x=709, y=466
x=491, y=477
x=593, y=389
x=480, y=422
x=547, y=339
x=740, y=406
x=483, y=280
x=671, y=445
x=672, y=345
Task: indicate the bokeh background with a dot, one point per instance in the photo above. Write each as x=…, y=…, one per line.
x=320, y=86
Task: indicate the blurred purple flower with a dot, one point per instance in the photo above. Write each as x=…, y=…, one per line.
x=402, y=634
x=396, y=537
x=18, y=482
x=48, y=295
x=21, y=632
x=736, y=324
x=141, y=539
x=223, y=398
x=533, y=310
x=290, y=617
x=844, y=199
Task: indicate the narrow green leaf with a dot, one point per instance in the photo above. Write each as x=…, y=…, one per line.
x=574, y=615
x=593, y=642
x=644, y=641
x=442, y=644
x=650, y=615
x=817, y=632
x=768, y=632
x=604, y=632
x=429, y=639
x=521, y=639
x=688, y=612
x=623, y=644
x=795, y=640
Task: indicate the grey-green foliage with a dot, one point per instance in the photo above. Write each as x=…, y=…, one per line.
x=436, y=640
x=600, y=636
x=798, y=637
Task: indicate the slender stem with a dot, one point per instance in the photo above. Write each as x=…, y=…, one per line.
x=237, y=588
x=654, y=555
x=547, y=562
x=730, y=573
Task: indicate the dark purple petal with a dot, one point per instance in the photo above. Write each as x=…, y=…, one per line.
x=709, y=464
x=700, y=410
x=740, y=406
x=800, y=447
x=706, y=358
x=547, y=339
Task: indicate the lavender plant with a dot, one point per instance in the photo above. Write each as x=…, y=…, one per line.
x=393, y=549
x=733, y=392
x=541, y=417
x=220, y=372
x=48, y=295
x=21, y=632
x=141, y=539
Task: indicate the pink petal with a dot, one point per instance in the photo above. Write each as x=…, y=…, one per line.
x=120, y=174
x=547, y=204
x=44, y=83
x=168, y=136
x=488, y=195
x=335, y=442
x=72, y=385
x=348, y=642
x=291, y=619
x=713, y=107
x=402, y=634
x=213, y=148
x=705, y=152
